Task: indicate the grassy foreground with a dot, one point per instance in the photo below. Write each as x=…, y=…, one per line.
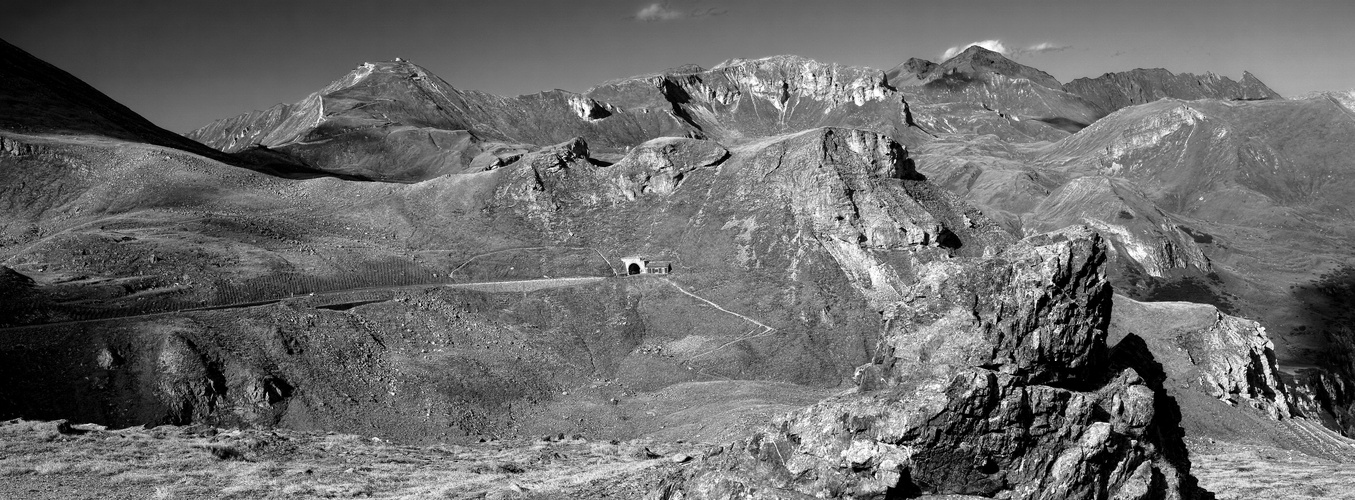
x=43, y=460
x=53, y=460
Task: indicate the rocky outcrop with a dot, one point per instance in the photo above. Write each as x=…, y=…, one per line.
x=1346, y=99
x=776, y=79
x=659, y=166
x=1227, y=357
x=14, y=147
x=1321, y=395
x=1141, y=235
x=745, y=98
x=1112, y=91
x=992, y=383
x=588, y=109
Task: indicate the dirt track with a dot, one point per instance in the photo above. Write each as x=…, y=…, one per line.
x=483, y=286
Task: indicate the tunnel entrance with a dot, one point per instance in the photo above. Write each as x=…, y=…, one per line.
x=642, y=265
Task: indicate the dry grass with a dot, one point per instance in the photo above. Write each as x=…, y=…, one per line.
x=1234, y=471
x=188, y=462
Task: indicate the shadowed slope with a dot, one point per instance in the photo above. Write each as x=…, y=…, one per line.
x=38, y=98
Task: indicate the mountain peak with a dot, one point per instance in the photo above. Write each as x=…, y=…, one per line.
x=976, y=59
x=398, y=68
x=979, y=51
x=911, y=72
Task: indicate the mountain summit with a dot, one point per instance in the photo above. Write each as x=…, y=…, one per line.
x=977, y=59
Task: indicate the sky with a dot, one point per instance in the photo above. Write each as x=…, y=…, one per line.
x=185, y=63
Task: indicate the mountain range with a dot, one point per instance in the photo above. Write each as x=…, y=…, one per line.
x=961, y=277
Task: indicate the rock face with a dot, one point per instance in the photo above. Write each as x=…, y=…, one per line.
x=659, y=166
x=1112, y=91
x=746, y=98
x=1229, y=358
x=991, y=383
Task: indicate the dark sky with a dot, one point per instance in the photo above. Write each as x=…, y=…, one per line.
x=184, y=63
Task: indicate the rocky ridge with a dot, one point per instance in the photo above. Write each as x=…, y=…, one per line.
x=1112, y=91
x=394, y=121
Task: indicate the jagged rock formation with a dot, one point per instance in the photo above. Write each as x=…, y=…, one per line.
x=992, y=383
x=741, y=99
x=1113, y=91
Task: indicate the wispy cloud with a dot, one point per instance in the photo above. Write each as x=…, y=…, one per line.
x=997, y=46
x=663, y=11
x=993, y=45
x=1040, y=48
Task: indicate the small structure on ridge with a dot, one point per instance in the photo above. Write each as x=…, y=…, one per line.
x=642, y=265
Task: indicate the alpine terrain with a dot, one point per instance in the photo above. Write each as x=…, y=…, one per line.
x=770, y=278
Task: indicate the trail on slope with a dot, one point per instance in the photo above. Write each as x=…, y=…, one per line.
x=482, y=286
x=766, y=330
